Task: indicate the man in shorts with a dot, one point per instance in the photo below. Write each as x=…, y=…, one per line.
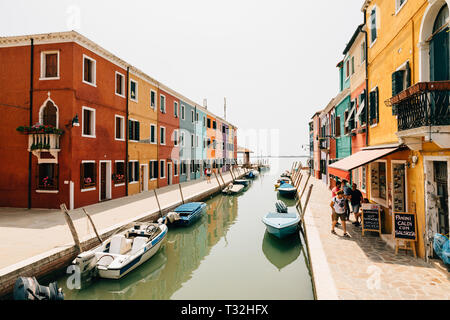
x=347, y=196
x=338, y=207
x=355, y=201
x=334, y=192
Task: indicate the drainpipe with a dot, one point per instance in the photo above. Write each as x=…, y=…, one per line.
x=31, y=118
x=366, y=98
x=126, y=133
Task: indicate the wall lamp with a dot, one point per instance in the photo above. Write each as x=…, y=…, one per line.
x=74, y=123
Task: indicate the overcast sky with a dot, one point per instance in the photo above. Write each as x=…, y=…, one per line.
x=275, y=61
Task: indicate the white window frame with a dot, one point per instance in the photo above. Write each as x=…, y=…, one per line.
x=372, y=43
x=162, y=135
x=43, y=65
x=123, y=128
x=164, y=169
x=161, y=96
x=93, y=188
x=137, y=91
x=125, y=170
x=151, y=168
x=156, y=99
x=123, y=85
x=135, y=163
x=133, y=120
x=175, y=140
x=94, y=73
x=175, y=109
x=156, y=133
x=399, y=7
x=93, y=122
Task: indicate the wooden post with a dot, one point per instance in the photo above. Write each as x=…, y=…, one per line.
x=71, y=227
x=297, y=185
x=181, y=192
x=222, y=178
x=157, y=201
x=93, y=225
x=306, y=184
x=215, y=174
x=306, y=202
x=232, y=177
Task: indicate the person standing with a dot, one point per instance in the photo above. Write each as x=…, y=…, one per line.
x=338, y=208
x=347, y=196
x=208, y=174
x=334, y=192
x=355, y=201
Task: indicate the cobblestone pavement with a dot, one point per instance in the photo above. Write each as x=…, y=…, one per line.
x=366, y=267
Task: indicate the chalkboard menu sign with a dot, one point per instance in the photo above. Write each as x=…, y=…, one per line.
x=405, y=226
x=371, y=218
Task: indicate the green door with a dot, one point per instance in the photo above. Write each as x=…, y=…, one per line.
x=440, y=48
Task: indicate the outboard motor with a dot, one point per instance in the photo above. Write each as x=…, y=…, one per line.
x=172, y=217
x=281, y=207
x=29, y=289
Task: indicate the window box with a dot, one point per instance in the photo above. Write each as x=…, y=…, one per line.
x=88, y=174
x=119, y=172
x=47, y=176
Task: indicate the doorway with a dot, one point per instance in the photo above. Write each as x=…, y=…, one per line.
x=143, y=183
x=105, y=180
x=169, y=173
x=441, y=180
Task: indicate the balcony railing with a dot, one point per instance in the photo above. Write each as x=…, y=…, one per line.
x=43, y=141
x=423, y=104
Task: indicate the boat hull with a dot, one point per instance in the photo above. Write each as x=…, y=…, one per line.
x=243, y=182
x=288, y=193
x=192, y=218
x=281, y=224
x=283, y=232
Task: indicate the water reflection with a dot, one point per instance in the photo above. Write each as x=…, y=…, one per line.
x=281, y=252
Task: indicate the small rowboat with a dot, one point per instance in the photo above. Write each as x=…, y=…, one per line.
x=282, y=181
x=187, y=214
x=281, y=223
x=233, y=189
x=244, y=182
x=287, y=190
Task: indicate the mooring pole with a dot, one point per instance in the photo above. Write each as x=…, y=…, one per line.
x=306, y=184
x=93, y=225
x=71, y=227
x=220, y=174
x=181, y=192
x=157, y=201
x=306, y=202
x=215, y=174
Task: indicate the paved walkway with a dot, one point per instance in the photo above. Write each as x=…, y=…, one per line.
x=364, y=267
x=28, y=233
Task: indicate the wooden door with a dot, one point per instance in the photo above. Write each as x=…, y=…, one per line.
x=103, y=181
x=441, y=179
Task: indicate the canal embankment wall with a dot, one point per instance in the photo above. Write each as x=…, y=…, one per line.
x=143, y=207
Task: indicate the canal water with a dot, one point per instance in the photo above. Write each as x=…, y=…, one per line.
x=226, y=255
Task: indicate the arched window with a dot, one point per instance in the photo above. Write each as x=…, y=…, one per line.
x=440, y=47
x=49, y=115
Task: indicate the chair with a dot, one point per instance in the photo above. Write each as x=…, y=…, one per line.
x=117, y=243
x=138, y=243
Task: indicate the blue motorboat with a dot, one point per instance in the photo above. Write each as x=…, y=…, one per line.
x=287, y=190
x=188, y=213
x=281, y=224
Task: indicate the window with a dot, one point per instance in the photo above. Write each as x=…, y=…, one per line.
x=378, y=180
x=182, y=139
x=363, y=52
x=47, y=178
x=347, y=67
x=133, y=91
x=183, y=167
x=88, y=174
x=134, y=130
x=162, y=103
x=196, y=117
x=49, y=115
x=204, y=122
x=208, y=121
x=89, y=70
x=175, y=138
x=120, y=128
x=401, y=80
x=338, y=126
x=373, y=25
x=223, y=129
x=120, y=84
x=192, y=116
x=152, y=99
x=214, y=125
x=88, y=121
x=162, y=135
x=153, y=169
x=119, y=172
x=153, y=134
x=192, y=140
x=175, y=107
x=399, y=5
x=353, y=65
x=50, y=65
x=175, y=168
x=373, y=106
x=133, y=171
x=162, y=167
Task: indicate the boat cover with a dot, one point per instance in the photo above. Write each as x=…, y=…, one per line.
x=281, y=215
x=189, y=207
x=286, y=186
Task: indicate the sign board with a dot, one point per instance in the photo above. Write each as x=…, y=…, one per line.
x=371, y=218
x=405, y=226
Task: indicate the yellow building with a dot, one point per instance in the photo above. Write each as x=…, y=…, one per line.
x=408, y=50
x=142, y=133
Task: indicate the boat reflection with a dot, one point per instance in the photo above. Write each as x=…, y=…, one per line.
x=281, y=252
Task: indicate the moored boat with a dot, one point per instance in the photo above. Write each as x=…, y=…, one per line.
x=187, y=213
x=282, y=181
x=233, y=189
x=244, y=182
x=123, y=252
x=281, y=223
x=287, y=190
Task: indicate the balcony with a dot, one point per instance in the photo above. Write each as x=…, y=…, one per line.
x=43, y=142
x=423, y=114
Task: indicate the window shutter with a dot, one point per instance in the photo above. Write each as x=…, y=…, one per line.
x=136, y=171
x=408, y=75
x=130, y=172
x=137, y=128
x=377, y=101
x=82, y=175
x=51, y=65
x=338, y=127
x=372, y=107
x=397, y=82
x=130, y=129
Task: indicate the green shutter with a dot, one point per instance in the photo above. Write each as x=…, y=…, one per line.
x=129, y=173
x=397, y=82
x=372, y=107
x=377, y=101
x=439, y=56
x=130, y=130
x=136, y=171
x=137, y=131
x=408, y=75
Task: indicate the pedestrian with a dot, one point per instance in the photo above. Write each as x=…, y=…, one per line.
x=355, y=201
x=347, y=196
x=338, y=209
x=334, y=192
x=208, y=174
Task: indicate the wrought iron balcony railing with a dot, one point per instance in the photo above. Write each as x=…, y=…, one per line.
x=423, y=104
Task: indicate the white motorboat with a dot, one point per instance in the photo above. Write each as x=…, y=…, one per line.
x=123, y=252
x=233, y=188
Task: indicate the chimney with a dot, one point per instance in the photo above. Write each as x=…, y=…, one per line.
x=205, y=103
x=225, y=108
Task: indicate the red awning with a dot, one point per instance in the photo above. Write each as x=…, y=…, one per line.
x=339, y=173
x=343, y=167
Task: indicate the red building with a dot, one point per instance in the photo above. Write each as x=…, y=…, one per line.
x=51, y=83
x=168, y=138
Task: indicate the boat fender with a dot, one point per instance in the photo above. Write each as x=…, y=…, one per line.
x=281, y=207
